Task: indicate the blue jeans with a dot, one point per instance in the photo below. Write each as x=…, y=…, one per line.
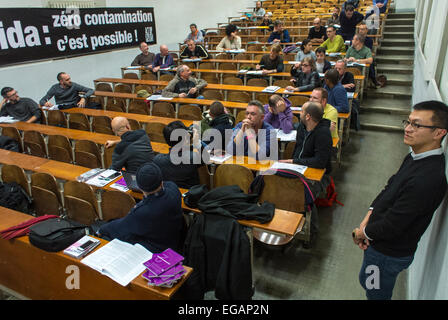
x=379, y=273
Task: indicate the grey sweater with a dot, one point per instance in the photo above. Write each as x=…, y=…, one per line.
x=178, y=85
x=22, y=110
x=66, y=95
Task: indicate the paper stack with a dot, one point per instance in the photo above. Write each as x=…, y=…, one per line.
x=164, y=269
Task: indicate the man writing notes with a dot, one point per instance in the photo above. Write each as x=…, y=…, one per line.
x=403, y=210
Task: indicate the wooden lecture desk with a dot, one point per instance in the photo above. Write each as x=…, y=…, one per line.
x=32, y=273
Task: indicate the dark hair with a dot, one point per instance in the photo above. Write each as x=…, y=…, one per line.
x=339, y=9
x=257, y=104
x=440, y=110
x=5, y=91
x=230, y=28
x=278, y=23
x=304, y=43
x=331, y=26
x=59, y=76
x=333, y=76
x=169, y=128
x=216, y=109
x=349, y=7
x=315, y=110
x=194, y=25
x=320, y=50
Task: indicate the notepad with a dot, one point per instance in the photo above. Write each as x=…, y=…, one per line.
x=288, y=166
x=133, y=68
x=271, y=89
x=156, y=97
x=286, y=136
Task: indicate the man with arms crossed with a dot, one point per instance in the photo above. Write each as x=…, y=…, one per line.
x=400, y=214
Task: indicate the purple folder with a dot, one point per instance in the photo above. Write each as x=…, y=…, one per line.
x=161, y=262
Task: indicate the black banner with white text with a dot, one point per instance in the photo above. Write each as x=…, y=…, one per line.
x=31, y=34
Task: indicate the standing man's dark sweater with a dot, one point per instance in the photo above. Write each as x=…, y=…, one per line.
x=348, y=25
x=399, y=216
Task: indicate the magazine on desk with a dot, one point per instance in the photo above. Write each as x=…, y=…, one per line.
x=119, y=260
x=271, y=89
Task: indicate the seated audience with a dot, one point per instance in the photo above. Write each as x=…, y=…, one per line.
x=362, y=30
x=358, y=52
x=267, y=22
x=334, y=19
x=195, y=35
x=334, y=43
x=231, y=41
x=22, y=109
x=253, y=136
x=193, y=50
x=220, y=121
x=184, y=85
x=180, y=165
x=320, y=95
x=322, y=64
x=66, y=93
x=306, y=50
x=278, y=113
x=346, y=78
x=349, y=19
x=272, y=62
x=337, y=95
x=279, y=35
x=305, y=77
x=162, y=60
x=145, y=58
x=259, y=12
x=380, y=4
x=317, y=33
x=133, y=150
x=157, y=221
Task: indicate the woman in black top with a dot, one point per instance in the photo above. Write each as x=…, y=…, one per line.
x=305, y=77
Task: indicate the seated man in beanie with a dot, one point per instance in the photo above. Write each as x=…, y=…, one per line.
x=133, y=150
x=156, y=222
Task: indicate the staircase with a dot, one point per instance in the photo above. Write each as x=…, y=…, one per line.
x=384, y=108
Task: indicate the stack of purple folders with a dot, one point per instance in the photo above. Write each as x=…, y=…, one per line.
x=164, y=269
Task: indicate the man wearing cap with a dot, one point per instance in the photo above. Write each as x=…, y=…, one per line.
x=134, y=148
x=156, y=222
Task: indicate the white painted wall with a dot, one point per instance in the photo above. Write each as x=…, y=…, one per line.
x=428, y=276
x=172, y=17
x=405, y=5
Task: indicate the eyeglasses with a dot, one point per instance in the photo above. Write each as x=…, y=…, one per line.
x=305, y=65
x=12, y=95
x=416, y=126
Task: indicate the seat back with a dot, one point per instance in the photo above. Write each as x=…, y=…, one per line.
x=149, y=76
x=230, y=174
x=34, y=144
x=166, y=77
x=297, y=101
x=286, y=193
x=233, y=81
x=190, y=112
x=210, y=78
x=13, y=173
x=130, y=75
x=155, y=131
x=240, y=116
x=87, y=154
x=227, y=66
x=59, y=148
x=102, y=124
x=116, y=204
x=282, y=83
x=238, y=96
x=289, y=150
x=163, y=109
x=56, y=118
x=79, y=121
x=138, y=106
x=45, y=192
x=124, y=88
x=213, y=95
x=80, y=202
x=257, y=82
x=102, y=86
x=117, y=105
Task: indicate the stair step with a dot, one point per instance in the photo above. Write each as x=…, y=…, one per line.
x=380, y=127
x=391, y=92
x=395, y=59
x=398, y=79
x=399, y=28
x=395, y=68
x=381, y=121
x=398, y=35
x=400, y=104
x=392, y=50
x=400, y=15
x=401, y=21
x=398, y=42
x=385, y=110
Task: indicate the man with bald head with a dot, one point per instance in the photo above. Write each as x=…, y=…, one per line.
x=145, y=58
x=133, y=150
x=162, y=60
x=317, y=33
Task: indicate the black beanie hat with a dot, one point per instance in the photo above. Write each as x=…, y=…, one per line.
x=149, y=177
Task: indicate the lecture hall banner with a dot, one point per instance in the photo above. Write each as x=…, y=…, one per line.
x=30, y=34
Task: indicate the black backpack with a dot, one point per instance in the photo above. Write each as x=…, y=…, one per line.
x=9, y=143
x=12, y=196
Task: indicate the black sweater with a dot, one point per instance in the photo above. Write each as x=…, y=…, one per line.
x=404, y=209
x=313, y=149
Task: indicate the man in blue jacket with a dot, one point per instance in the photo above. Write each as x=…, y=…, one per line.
x=279, y=35
x=156, y=222
x=337, y=95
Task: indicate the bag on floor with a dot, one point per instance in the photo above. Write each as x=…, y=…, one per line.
x=330, y=197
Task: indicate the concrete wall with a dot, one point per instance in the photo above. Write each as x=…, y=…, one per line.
x=428, y=276
x=405, y=5
x=172, y=17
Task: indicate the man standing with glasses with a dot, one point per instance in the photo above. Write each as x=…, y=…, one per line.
x=22, y=109
x=401, y=213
